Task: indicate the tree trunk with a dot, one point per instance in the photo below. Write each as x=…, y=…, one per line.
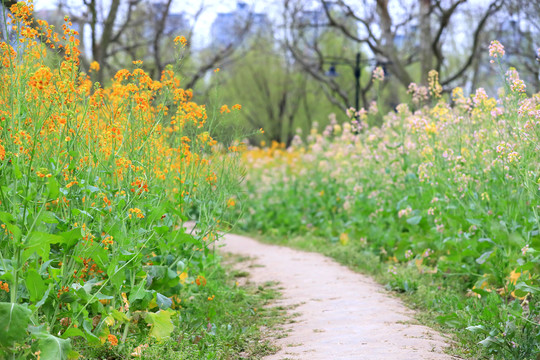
x=426, y=53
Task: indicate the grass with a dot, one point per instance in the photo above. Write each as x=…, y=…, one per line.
x=239, y=323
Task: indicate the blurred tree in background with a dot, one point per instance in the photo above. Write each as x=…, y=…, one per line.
x=276, y=63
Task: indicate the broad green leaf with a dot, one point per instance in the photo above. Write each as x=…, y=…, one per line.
x=90, y=337
x=14, y=319
x=119, y=316
x=35, y=285
x=477, y=329
x=52, y=184
x=161, y=324
x=451, y=320
x=161, y=230
x=45, y=296
x=48, y=217
x=139, y=292
x=78, y=212
x=116, y=274
x=474, y=222
x=528, y=288
x=415, y=220
x=490, y=341
x=39, y=243
x=71, y=237
x=9, y=221
x=52, y=347
x=72, y=332
x=163, y=301
x=482, y=259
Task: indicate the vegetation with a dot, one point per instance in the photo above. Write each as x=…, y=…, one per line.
x=96, y=186
x=444, y=196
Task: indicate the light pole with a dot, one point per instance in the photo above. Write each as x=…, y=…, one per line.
x=357, y=70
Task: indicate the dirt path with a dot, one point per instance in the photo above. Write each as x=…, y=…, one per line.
x=343, y=315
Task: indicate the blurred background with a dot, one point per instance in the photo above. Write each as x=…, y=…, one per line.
x=291, y=63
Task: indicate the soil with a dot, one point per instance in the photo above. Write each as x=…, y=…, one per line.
x=337, y=313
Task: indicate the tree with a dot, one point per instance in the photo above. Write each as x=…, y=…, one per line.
x=409, y=37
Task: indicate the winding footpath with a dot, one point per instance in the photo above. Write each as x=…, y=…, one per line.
x=342, y=314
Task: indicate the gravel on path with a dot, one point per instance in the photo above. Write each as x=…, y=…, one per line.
x=342, y=314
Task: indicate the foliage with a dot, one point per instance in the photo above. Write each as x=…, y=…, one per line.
x=96, y=185
x=449, y=190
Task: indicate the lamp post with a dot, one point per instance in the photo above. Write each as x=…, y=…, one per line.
x=357, y=70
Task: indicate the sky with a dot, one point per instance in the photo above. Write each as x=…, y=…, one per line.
x=202, y=29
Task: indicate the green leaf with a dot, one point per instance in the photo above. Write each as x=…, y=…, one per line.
x=474, y=222
x=527, y=288
x=139, y=292
x=40, y=243
x=78, y=212
x=163, y=301
x=482, y=259
x=52, y=184
x=490, y=341
x=72, y=332
x=119, y=316
x=161, y=230
x=53, y=348
x=415, y=220
x=14, y=319
x=92, y=339
x=9, y=221
x=45, y=297
x=161, y=323
x=116, y=274
x=477, y=329
x=451, y=320
x=48, y=217
x=35, y=285
x=71, y=237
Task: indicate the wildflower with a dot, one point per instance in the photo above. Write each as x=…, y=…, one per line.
x=518, y=85
x=408, y=254
x=200, y=280
x=112, y=339
x=137, y=62
x=138, y=350
x=404, y=212
x=496, y=50
x=183, y=277
x=224, y=109
x=210, y=298
x=216, y=70
x=378, y=74
x=231, y=203
x=94, y=66
x=237, y=107
x=525, y=249
x=435, y=88
x=4, y=286
x=180, y=40
x=344, y=239
x=480, y=96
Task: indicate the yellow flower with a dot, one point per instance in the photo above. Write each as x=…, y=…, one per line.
x=224, y=109
x=183, y=277
x=94, y=66
x=344, y=239
x=180, y=40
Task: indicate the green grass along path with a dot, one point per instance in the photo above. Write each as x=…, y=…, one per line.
x=343, y=315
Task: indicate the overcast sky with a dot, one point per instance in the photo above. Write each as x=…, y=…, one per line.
x=212, y=8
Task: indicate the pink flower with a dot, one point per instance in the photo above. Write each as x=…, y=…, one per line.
x=496, y=49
